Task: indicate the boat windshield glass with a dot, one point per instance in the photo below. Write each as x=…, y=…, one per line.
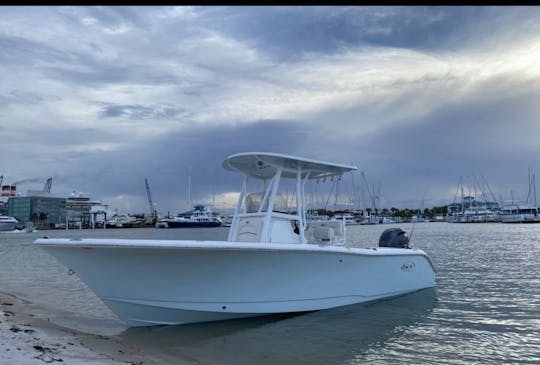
x=281, y=204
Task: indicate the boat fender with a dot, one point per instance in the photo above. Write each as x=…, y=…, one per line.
x=394, y=237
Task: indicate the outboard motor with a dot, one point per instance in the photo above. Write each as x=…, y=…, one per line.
x=394, y=237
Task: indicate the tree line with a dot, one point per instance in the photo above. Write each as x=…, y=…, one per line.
x=406, y=213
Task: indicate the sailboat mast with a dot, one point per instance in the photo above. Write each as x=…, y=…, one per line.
x=336, y=196
x=189, y=190
x=529, y=200
x=534, y=190
x=462, y=197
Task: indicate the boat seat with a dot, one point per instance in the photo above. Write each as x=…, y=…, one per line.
x=249, y=230
x=322, y=233
x=337, y=226
x=326, y=232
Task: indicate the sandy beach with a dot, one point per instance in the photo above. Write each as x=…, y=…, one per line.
x=27, y=339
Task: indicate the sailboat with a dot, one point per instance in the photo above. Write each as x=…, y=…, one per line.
x=471, y=209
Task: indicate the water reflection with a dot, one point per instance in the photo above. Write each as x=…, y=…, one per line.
x=324, y=337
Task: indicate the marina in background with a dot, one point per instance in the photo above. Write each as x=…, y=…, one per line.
x=40, y=209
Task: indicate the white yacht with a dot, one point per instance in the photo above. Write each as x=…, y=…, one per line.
x=8, y=223
x=519, y=212
x=199, y=216
x=273, y=261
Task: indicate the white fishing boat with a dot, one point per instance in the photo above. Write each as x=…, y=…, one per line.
x=273, y=261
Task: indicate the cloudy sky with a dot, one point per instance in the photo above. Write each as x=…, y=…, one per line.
x=101, y=97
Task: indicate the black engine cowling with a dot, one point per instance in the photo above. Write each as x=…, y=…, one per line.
x=394, y=237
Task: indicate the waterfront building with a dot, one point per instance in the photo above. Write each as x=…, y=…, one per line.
x=43, y=211
x=3, y=206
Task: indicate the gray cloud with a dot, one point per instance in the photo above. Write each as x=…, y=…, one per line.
x=291, y=32
x=495, y=138
x=140, y=112
x=167, y=159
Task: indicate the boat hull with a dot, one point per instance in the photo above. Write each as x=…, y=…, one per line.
x=8, y=226
x=520, y=218
x=154, y=283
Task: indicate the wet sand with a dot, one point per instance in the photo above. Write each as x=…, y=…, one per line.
x=27, y=339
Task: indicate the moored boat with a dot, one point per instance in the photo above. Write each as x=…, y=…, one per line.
x=8, y=223
x=519, y=212
x=199, y=216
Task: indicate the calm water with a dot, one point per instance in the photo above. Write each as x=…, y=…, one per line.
x=485, y=308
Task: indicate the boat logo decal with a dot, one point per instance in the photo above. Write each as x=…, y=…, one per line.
x=407, y=266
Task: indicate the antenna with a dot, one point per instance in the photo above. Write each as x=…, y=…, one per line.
x=421, y=207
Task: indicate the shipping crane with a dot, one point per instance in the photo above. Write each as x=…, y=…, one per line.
x=153, y=213
x=48, y=184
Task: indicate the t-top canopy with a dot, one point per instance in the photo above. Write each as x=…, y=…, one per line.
x=264, y=165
